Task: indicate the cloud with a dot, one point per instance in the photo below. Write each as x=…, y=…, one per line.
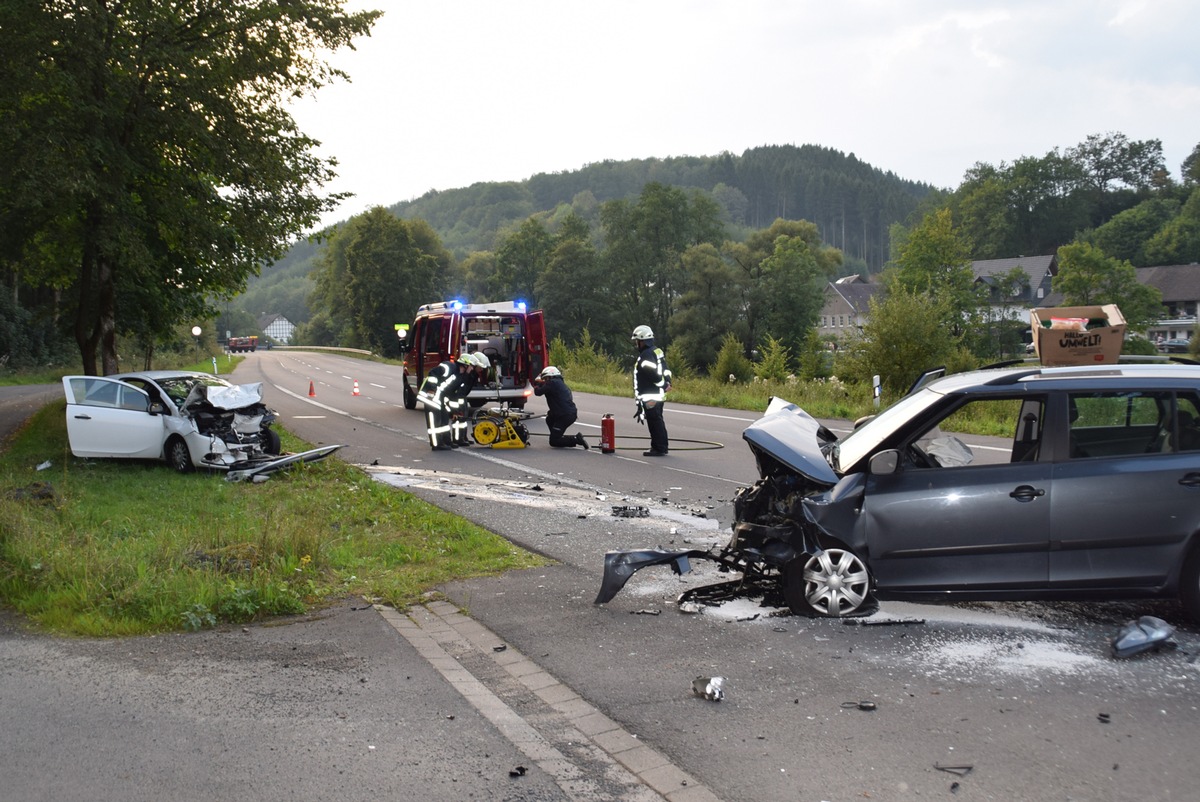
x=448, y=94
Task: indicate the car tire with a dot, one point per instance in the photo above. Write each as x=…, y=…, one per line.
x=178, y=455
x=831, y=584
x=1189, y=585
x=271, y=443
x=410, y=397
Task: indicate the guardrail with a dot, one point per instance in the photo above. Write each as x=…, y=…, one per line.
x=317, y=348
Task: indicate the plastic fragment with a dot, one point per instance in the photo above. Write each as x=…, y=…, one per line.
x=710, y=688
x=1145, y=634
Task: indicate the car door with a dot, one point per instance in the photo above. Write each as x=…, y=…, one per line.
x=108, y=418
x=938, y=525
x=1126, y=492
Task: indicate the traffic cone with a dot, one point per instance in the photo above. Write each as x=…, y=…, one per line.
x=355, y=387
x=312, y=391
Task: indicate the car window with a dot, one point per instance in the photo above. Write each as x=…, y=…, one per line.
x=937, y=446
x=1186, y=435
x=1119, y=424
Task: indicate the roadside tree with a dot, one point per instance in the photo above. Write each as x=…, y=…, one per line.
x=148, y=162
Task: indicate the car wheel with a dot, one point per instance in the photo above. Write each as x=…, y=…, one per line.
x=178, y=455
x=832, y=583
x=410, y=397
x=1189, y=585
x=271, y=443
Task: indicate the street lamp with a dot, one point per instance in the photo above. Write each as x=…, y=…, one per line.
x=196, y=334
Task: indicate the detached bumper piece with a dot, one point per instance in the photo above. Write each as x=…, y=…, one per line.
x=620, y=565
x=258, y=471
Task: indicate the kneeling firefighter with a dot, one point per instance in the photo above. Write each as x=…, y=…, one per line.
x=563, y=413
x=439, y=394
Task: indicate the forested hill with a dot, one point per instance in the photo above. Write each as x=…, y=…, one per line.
x=851, y=202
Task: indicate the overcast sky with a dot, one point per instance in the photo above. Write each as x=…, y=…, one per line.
x=446, y=93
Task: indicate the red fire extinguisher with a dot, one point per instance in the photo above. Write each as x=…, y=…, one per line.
x=608, y=434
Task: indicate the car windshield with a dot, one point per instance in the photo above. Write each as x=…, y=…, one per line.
x=864, y=440
x=178, y=387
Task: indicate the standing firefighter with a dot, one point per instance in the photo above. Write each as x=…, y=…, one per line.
x=651, y=381
x=440, y=395
x=460, y=425
x=562, y=412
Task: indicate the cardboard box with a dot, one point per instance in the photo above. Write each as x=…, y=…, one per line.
x=1096, y=339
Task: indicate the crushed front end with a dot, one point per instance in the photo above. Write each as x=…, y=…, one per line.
x=775, y=518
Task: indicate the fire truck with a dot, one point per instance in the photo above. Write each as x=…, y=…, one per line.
x=238, y=345
x=512, y=337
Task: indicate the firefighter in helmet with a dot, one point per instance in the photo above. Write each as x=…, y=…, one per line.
x=460, y=424
x=651, y=381
x=439, y=394
x=562, y=412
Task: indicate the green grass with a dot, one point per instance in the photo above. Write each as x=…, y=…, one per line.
x=120, y=547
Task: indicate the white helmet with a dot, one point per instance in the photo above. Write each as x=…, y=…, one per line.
x=481, y=361
x=466, y=359
x=642, y=333
x=549, y=371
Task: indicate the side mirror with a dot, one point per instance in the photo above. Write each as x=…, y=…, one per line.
x=156, y=408
x=885, y=463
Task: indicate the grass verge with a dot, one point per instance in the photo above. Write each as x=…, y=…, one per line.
x=116, y=547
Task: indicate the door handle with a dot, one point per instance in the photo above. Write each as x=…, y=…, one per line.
x=1190, y=480
x=1027, y=493
x=83, y=416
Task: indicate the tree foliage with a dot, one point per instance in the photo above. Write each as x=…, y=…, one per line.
x=377, y=270
x=148, y=164
x=1086, y=276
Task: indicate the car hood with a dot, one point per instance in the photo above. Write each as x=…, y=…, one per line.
x=793, y=438
x=237, y=396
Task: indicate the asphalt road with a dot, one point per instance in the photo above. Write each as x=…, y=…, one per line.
x=989, y=701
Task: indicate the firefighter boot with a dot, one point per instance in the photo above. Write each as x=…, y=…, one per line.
x=579, y=441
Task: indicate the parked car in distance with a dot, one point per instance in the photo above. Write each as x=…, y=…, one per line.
x=1174, y=346
x=190, y=420
x=1096, y=495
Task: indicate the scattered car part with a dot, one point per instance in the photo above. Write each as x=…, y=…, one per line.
x=1147, y=633
x=710, y=688
x=631, y=511
x=262, y=468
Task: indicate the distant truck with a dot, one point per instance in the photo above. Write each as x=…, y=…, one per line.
x=512, y=337
x=238, y=345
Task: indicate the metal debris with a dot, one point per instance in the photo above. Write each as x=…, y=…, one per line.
x=961, y=771
x=645, y=612
x=631, y=511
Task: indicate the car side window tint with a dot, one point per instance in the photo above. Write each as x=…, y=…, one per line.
x=1186, y=436
x=1119, y=424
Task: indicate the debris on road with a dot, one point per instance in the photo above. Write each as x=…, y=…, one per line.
x=631, y=511
x=1143, y=635
x=710, y=688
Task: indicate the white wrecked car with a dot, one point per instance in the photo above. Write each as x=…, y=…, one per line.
x=190, y=420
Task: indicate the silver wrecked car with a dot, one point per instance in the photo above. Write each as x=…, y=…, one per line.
x=190, y=420
x=1094, y=494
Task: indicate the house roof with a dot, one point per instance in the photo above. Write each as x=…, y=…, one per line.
x=266, y=320
x=855, y=293
x=1175, y=282
x=1035, y=267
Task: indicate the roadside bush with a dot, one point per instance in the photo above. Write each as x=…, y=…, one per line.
x=732, y=361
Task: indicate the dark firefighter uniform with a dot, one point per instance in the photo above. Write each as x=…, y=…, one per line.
x=651, y=380
x=561, y=405
x=442, y=395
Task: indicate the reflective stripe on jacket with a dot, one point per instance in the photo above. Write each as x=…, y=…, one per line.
x=651, y=376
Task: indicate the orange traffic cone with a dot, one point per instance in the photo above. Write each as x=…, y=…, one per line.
x=355, y=387
x=312, y=391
